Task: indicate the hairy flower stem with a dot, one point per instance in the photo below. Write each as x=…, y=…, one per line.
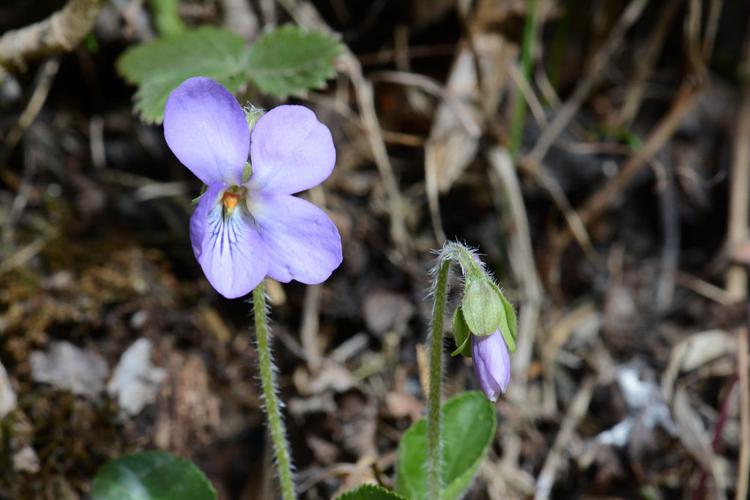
x=434, y=410
x=268, y=382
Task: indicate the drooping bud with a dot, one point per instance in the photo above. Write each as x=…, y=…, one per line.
x=491, y=364
x=482, y=305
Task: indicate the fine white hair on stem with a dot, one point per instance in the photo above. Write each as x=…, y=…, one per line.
x=271, y=403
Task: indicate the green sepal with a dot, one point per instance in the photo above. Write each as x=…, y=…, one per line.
x=247, y=171
x=510, y=333
x=195, y=200
x=461, y=334
x=252, y=115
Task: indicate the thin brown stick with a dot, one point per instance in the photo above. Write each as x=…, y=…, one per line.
x=310, y=326
x=433, y=87
x=522, y=257
x=743, y=467
x=576, y=412
x=645, y=65
x=712, y=26
x=739, y=201
x=587, y=83
x=703, y=288
x=306, y=15
x=692, y=43
x=46, y=75
x=60, y=32
x=596, y=204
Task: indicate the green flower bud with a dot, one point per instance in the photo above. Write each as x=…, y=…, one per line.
x=482, y=305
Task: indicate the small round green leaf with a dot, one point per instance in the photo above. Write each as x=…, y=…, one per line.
x=151, y=475
x=369, y=492
x=468, y=429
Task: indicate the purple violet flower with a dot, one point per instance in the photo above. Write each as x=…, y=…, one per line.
x=244, y=230
x=491, y=364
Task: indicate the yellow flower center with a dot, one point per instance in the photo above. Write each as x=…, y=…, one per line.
x=231, y=198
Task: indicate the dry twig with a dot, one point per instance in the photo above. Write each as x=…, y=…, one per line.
x=586, y=84
x=743, y=467
x=60, y=32
x=522, y=255
x=597, y=203
x=576, y=412
x=739, y=202
x=654, y=45
x=46, y=75
x=307, y=16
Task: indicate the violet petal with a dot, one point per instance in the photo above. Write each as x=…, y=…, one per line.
x=228, y=247
x=303, y=241
x=491, y=364
x=205, y=128
x=290, y=151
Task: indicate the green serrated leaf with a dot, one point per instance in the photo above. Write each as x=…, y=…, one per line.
x=151, y=475
x=158, y=67
x=291, y=60
x=369, y=492
x=468, y=429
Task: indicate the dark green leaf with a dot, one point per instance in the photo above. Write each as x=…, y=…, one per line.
x=158, y=67
x=291, y=60
x=370, y=492
x=151, y=475
x=468, y=429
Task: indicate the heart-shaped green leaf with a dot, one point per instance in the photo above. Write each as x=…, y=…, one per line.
x=468, y=429
x=151, y=475
x=369, y=492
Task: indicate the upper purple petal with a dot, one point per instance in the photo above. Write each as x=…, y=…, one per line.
x=491, y=364
x=290, y=151
x=206, y=129
x=229, y=248
x=303, y=242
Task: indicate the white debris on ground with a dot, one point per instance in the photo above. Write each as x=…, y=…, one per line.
x=135, y=382
x=7, y=395
x=68, y=367
x=26, y=460
x=645, y=403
